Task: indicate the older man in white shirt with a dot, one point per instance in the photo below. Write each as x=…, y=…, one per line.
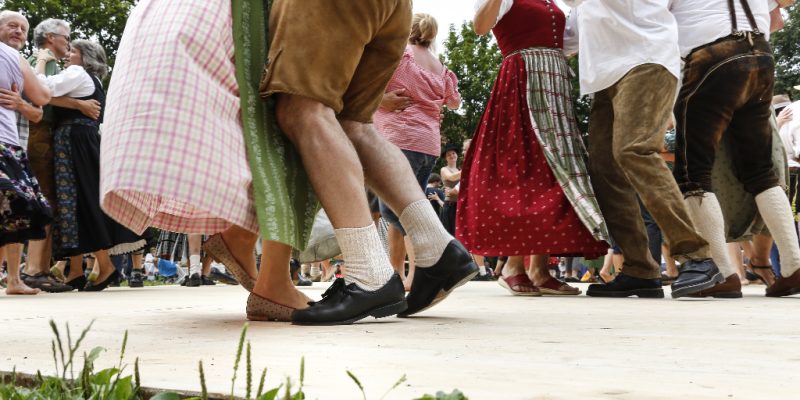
x=629, y=59
x=727, y=90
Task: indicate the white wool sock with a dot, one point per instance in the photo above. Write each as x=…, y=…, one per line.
x=366, y=262
x=777, y=213
x=426, y=232
x=482, y=270
x=708, y=220
x=194, y=265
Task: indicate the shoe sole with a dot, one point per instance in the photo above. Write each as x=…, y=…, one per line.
x=135, y=285
x=443, y=293
x=553, y=292
x=698, y=287
x=216, y=248
x=641, y=293
x=720, y=295
x=380, y=312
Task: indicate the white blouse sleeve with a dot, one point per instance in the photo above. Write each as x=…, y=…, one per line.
x=72, y=82
x=505, y=5
x=571, y=33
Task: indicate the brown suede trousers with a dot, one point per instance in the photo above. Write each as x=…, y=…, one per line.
x=626, y=133
x=41, y=158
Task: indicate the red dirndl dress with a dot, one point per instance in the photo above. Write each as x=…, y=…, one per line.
x=510, y=202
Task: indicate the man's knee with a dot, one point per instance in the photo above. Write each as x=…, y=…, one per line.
x=296, y=114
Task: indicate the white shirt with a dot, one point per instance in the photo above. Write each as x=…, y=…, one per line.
x=505, y=5
x=790, y=136
x=72, y=82
x=704, y=21
x=616, y=36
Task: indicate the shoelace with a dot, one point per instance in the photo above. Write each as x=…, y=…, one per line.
x=337, y=289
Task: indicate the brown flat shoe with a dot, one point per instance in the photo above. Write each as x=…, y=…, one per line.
x=261, y=309
x=785, y=286
x=730, y=288
x=216, y=247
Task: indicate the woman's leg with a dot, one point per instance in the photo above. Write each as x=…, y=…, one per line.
x=15, y=285
x=241, y=244
x=513, y=267
x=75, y=267
x=274, y=280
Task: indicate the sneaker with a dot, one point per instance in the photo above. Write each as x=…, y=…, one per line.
x=136, y=279
x=206, y=281
x=344, y=304
x=433, y=284
x=194, y=280
x=695, y=276
x=222, y=276
x=627, y=286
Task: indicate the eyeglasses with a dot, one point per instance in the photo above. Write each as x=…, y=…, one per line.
x=66, y=37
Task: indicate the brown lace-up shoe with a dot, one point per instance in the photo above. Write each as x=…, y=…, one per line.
x=731, y=288
x=783, y=286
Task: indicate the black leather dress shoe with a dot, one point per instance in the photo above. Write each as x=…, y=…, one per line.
x=695, y=276
x=626, y=286
x=433, y=284
x=344, y=304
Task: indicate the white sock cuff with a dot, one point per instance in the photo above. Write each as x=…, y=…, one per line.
x=366, y=262
x=417, y=210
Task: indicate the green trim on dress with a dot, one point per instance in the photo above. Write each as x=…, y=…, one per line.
x=285, y=202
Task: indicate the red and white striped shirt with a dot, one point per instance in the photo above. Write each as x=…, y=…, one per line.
x=417, y=127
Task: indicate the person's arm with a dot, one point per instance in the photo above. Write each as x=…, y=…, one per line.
x=37, y=93
x=395, y=101
x=453, y=100
x=455, y=176
x=571, y=41
x=775, y=20
x=12, y=100
x=486, y=16
x=89, y=108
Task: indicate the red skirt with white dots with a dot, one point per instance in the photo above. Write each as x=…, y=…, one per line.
x=512, y=197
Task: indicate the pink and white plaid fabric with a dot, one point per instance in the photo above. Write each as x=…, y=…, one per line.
x=417, y=127
x=173, y=153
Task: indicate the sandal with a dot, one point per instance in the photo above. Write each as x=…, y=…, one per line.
x=763, y=277
x=555, y=287
x=46, y=282
x=519, y=280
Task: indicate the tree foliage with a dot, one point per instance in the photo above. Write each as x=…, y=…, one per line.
x=99, y=20
x=475, y=60
x=786, y=47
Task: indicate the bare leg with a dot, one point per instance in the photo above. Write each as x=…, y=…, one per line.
x=397, y=250
x=315, y=131
x=206, y=261
x=605, y=272
x=513, y=267
x=103, y=265
x=274, y=281
x=241, y=243
x=538, y=270
x=136, y=260
x=735, y=255
x=411, y=264
x=75, y=267
x=672, y=267
x=15, y=285
x=762, y=245
x=39, y=254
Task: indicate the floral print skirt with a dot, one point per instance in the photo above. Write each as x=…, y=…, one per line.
x=24, y=212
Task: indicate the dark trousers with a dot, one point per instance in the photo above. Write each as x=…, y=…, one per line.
x=727, y=90
x=626, y=133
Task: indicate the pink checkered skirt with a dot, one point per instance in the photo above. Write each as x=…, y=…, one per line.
x=173, y=154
